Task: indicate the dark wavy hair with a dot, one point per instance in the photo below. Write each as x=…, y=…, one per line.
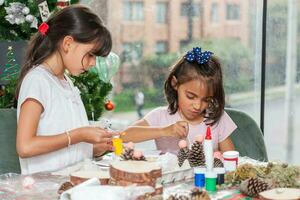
x=210, y=73
x=76, y=21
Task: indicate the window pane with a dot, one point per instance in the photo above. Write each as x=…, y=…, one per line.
x=127, y=11
x=161, y=47
x=238, y=45
x=214, y=13
x=161, y=12
x=233, y=12
x=282, y=122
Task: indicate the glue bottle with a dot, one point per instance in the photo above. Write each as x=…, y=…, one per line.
x=208, y=150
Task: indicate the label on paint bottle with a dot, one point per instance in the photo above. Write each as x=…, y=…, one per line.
x=211, y=181
x=230, y=160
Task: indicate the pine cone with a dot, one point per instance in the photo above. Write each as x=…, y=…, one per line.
x=218, y=162
x=199, y=195
x=64, y=187
x=182, y=155
x=196, y=155
x=127, y=154
x=253, y=186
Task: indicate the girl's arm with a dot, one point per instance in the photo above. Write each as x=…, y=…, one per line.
x=29, y=144
x=141, y=131
x=226, y=145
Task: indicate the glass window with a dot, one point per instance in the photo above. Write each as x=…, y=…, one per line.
x=161, y=12
x=282, y=109
x=132, y=51
x=185, y=9
x=214, y=13
x=237, y=45
x=232, y=12
x=133, y=11
x=161, y=47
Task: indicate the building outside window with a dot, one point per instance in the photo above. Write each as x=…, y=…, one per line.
x=161, y=12
x=133, y=11
x=161, y=47
x=233, y=12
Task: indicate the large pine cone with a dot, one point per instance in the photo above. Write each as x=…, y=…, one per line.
x=182, y=155
x=64, y=187
x=218, y=162
x=253, y=186
x=196, y=155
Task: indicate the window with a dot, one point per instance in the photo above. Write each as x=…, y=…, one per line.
x=133, y=11
x=183, y=43
x=214, y=13
x=161, y=12
x=132, y=51
x=233, y=12
x=161, y=47
x=185, y=9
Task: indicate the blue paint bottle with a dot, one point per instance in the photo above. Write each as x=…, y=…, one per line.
x=199, y=175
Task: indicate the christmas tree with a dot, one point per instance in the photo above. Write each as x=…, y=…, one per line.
x=11, y=68
x=8, y=80
x=93, y=93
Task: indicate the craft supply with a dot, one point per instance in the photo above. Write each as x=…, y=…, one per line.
x=220, y=171
x=208, y=150
x=199, y=176
x=211, y=181
x=118, y=145
x=230, y=160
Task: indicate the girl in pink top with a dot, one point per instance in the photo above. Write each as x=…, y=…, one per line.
x=195, y=94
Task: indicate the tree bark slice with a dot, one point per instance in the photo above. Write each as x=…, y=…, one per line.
x=81, y=176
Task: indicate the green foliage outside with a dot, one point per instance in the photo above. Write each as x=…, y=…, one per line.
x=125, y=100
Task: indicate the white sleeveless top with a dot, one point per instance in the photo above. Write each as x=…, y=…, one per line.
x=63, y=110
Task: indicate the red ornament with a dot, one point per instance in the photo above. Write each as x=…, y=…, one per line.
x=109, y=105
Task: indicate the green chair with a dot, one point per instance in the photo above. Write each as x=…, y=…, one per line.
x=247, y=138
x=9, y=160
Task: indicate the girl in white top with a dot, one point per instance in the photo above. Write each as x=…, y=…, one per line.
x=53, y=129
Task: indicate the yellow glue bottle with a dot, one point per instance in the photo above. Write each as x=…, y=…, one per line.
x=118, y=145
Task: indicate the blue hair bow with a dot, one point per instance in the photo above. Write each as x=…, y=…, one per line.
x=198, y=56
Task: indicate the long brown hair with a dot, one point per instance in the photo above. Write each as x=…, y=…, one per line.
x=77, y=21
x=211, y=75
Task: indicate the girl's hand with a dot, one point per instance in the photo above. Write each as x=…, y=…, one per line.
x=94, y=135
x=179, y=129
x=101, y=148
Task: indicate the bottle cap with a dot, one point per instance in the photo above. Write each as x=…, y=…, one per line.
x=219, y=170
x=199, y=170
x=208, y=133
x=230, y=154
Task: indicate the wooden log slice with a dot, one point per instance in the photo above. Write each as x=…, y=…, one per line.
x=135, y=172
x=81, y=176
x=280, y=194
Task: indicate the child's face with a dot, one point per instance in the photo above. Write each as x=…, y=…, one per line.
x=79, y=58
x=192, y=99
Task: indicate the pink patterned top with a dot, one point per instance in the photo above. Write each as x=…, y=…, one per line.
x=160, y=117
